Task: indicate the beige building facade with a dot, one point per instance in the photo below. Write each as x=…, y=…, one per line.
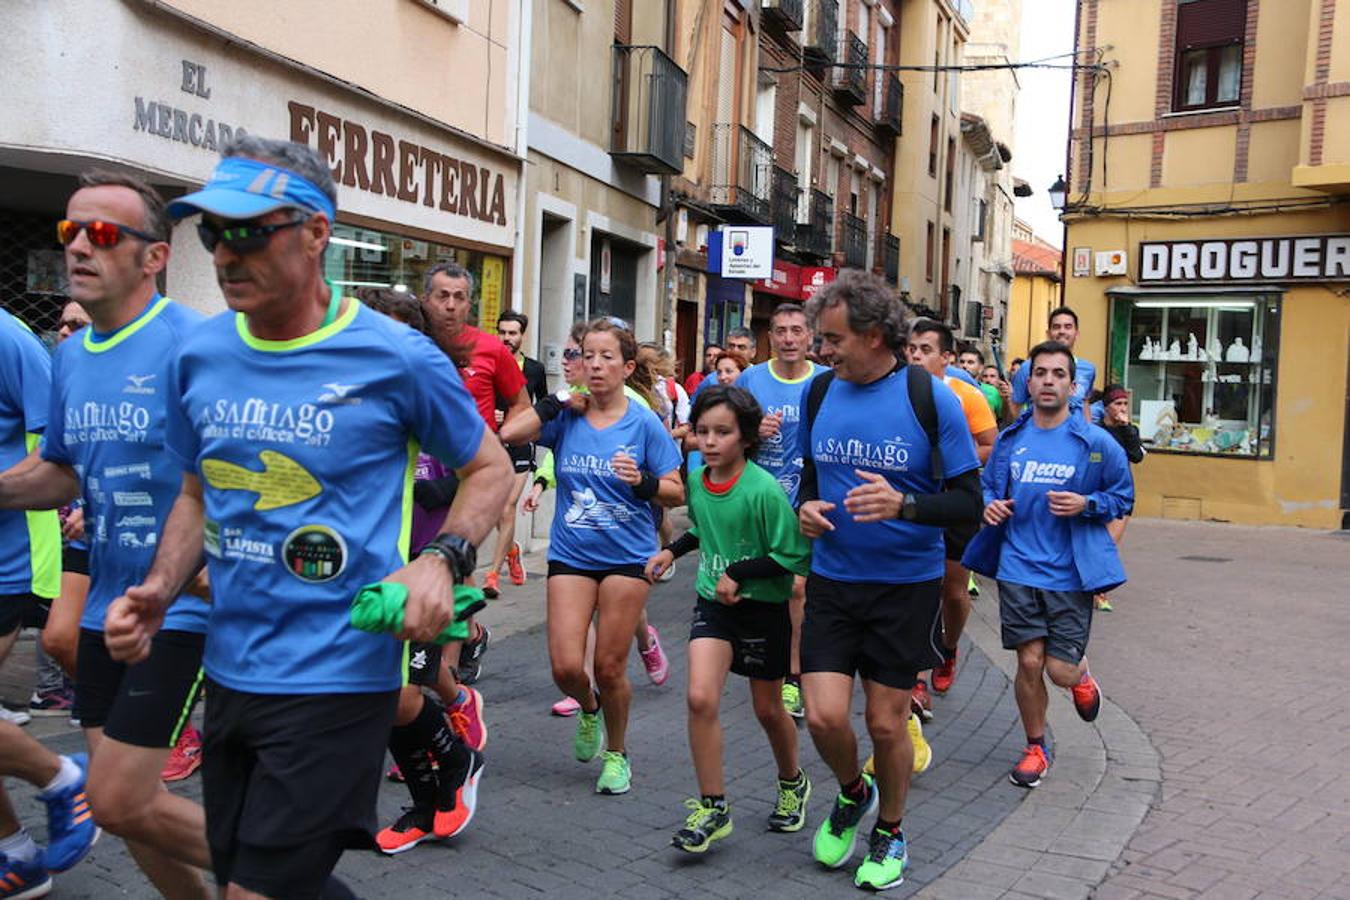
x=415, y=109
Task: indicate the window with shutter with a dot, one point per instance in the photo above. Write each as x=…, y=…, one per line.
x=1210, y=36
x=623, y=21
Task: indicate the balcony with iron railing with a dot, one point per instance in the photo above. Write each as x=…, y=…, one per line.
x=648, y=110
x=820, y=32
x=742, y=173
x=815, y=237
x=890, y=253
x=892, y=111
x=786, y=13
x=850, y=73
x=853, y=240
x=784, y=202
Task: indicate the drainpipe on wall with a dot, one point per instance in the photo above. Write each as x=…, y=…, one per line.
x=666, y=213
x=525, y=28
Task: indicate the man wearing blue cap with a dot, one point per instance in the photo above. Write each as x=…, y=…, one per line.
x=294, y=420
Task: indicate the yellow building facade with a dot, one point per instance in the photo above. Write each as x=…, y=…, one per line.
x=1208, y=247
x=1036, y=290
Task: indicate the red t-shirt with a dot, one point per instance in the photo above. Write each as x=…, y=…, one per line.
x=492, y=372
x=692, y=382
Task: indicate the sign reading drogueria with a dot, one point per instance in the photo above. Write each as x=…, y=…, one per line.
x=1259, y=260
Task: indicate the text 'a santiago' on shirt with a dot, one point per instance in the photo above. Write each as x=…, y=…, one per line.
x=306, y=450
x=598, y=523
x=107, y=422
x=873, y=428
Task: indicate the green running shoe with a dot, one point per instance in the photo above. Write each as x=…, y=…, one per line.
x=789, y=813
x=707, y=822
x=836, y=835
x=792, y=700
x=887, y=859
x=590, y=734
x=616, y=776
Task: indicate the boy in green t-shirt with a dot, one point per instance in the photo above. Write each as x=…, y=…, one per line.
x=749, y=549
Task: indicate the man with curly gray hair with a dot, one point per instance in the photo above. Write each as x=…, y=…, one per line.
x=875, y=502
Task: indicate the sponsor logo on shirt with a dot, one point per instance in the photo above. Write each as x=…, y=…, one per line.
x=134, y=521
x=587, y=511
x=340, y=394
x=141, y=470
x=137, y=384
x=133, y=541
x=132, y=498
x=1032, y=472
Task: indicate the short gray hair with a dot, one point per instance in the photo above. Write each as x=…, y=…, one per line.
x=742, y=333
x=870, y=304
x=299, y=158
x=449, y=270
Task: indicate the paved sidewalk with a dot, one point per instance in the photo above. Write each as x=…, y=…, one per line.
x=542, y=831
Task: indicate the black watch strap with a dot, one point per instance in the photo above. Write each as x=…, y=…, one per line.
x=460, y=555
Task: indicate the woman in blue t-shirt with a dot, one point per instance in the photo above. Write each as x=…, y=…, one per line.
x=612, y=458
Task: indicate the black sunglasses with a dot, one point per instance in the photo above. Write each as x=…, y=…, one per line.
x=241, y=238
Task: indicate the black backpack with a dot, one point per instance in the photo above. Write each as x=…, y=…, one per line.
x=920, y=385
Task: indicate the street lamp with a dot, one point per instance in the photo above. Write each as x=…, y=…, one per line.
x=1057, y=192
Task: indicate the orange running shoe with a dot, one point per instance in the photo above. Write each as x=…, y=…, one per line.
x=186, y=756
x=411, y=829
x=465, y=718
x=944, y=675
x=492, y=585
x=920, y=701
x=514, y=569
x=1087, y=697
x=457, y=797
x=1028, y=771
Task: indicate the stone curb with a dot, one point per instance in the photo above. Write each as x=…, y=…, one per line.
x=1064, y=837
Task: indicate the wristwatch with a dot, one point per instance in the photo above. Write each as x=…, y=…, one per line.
x=460, y=555
x=909, y=509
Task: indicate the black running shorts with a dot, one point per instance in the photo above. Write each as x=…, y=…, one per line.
x=597, y=575
x=424, y=664
x=298, y=773
x=522, y=458
x=22, y=611
x=1063, y=619
x=887, y=633
x=75, y=559
x=956, y=539
x=145, y=705
x=760, y=635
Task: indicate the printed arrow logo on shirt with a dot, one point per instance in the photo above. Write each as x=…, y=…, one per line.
x=282, y=482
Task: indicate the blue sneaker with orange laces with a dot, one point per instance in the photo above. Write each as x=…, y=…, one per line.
x=70, y=823
x=20, y=879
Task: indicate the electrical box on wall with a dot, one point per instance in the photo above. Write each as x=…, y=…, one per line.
x=1111, y=262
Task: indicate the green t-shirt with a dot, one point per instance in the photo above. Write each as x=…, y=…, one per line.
x=994, y=397
x=751, y=520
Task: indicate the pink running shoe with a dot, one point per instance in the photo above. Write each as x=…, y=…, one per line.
x=654, y=658
x=565, y=707
x=465, y=718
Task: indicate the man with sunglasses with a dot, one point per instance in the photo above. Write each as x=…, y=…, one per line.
x=293, y=421
x=105, y=439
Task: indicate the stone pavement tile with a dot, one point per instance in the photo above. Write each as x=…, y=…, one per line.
x=1115, y=892
x=1053, y=887
x=984, y=873
x=1231, y=888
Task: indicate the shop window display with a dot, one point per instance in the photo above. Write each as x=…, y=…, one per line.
x=1200, y=371
x=364, y=257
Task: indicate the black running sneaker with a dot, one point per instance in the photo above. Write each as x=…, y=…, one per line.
x=471, y=656
x=707, y=822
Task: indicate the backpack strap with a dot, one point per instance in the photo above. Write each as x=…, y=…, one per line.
x=815, y=395
x=925, y=410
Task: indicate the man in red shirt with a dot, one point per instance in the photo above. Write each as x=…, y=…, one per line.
x=489, y=371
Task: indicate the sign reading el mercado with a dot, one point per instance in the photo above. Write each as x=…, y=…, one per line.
x=1246, y=260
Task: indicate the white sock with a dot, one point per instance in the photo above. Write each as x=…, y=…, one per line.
x=69, y=774
x=19, y=846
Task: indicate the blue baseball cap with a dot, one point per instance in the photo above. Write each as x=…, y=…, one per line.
x=243, y=188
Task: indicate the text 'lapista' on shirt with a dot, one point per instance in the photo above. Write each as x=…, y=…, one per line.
x=31, y=540
x=109, y=398
x=750, y=521
x=306, y=450
x=873, y=428
x=780, y=455
x=598, y=523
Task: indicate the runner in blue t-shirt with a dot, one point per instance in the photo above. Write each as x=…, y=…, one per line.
x=612, y=458
x=1053, y=485
x=105, y=439
x=1064, y=329
x=778, y=385
x=870, y=500
x=296, y=419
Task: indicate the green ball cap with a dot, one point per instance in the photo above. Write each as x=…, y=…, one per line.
x=378, y=608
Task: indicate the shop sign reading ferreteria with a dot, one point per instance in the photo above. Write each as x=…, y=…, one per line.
x=1260, y=260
